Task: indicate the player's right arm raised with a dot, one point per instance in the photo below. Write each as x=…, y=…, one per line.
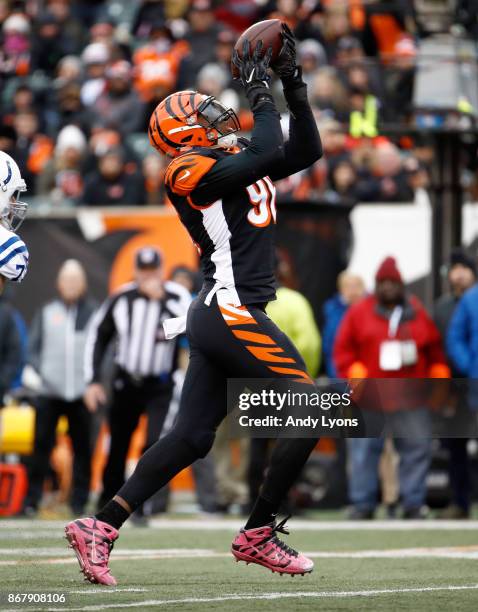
x=266, y=148
x=304, y=147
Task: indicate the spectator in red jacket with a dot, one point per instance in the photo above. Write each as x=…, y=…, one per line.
x=363, y=341
x=390, y=335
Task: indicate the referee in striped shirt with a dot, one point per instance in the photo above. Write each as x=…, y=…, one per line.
x=144, y=359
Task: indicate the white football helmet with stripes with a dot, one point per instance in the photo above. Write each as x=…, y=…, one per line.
x=12, y=210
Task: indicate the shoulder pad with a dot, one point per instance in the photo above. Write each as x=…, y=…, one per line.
x=184, y=173
x=13, y=257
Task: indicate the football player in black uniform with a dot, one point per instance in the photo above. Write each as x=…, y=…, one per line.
x=222, y=188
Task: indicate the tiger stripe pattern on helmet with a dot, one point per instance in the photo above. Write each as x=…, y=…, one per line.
x=173, y=125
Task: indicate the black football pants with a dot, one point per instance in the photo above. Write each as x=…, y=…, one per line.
x=48, y=412
x=128, y=403
x=225, y=342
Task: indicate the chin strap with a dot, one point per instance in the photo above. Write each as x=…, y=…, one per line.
x=227, y=141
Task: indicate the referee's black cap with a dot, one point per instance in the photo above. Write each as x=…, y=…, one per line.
x=148, y=257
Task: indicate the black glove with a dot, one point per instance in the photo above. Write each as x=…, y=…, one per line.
x=253, y=72
x=286, y=64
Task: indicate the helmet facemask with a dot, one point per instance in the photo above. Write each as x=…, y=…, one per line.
x=187, y=119
x=220, y=122
x=14, y=212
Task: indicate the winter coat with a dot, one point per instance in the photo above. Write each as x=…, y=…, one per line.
x=334, y=310
x=366, y=325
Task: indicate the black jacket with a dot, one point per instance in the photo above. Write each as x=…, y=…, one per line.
x=442, y=314
x=10, y=348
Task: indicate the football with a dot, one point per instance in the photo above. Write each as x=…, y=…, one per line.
x=269, y=31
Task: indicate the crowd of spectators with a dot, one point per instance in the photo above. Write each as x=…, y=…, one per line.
x=79, y=80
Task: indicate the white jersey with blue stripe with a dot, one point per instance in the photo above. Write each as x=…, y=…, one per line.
x=13, y=256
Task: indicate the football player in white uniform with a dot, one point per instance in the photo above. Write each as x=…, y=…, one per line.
x=13, y=252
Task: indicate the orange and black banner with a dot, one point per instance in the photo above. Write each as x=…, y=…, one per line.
x=314, y=238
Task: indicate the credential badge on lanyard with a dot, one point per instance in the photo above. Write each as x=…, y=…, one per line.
x=390, y=350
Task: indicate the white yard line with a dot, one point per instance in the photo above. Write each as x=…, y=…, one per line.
x=22, y=534
x=255, y=597
x=233, y=524
x=317, y=525
x=140, y=552
x=34, y=555
x=21, y=523
x=102, y=591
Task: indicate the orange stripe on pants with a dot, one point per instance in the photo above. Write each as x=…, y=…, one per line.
x=267, y=354
x=252, y=336
x=303, y=376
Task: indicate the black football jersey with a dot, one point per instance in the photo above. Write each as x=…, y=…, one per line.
x=234, y=233
x=226, y=197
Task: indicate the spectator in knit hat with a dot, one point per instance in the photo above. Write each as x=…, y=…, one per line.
x=389, y=335
x=62, y=179
x=16, y=44
x=311, y=57
x=95, y=58
x=212, y=80
x=119, y=107
x=68, y=69
x=461, y=277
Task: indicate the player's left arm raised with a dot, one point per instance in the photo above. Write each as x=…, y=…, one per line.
x=304, y=146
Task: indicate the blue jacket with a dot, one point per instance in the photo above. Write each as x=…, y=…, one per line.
x=23, y=333
x=462, y=336
x=334, y=310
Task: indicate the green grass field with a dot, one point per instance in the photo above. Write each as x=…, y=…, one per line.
x=185, y=565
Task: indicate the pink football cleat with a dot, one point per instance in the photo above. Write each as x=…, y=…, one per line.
x=92, y=540
x=262, y=546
